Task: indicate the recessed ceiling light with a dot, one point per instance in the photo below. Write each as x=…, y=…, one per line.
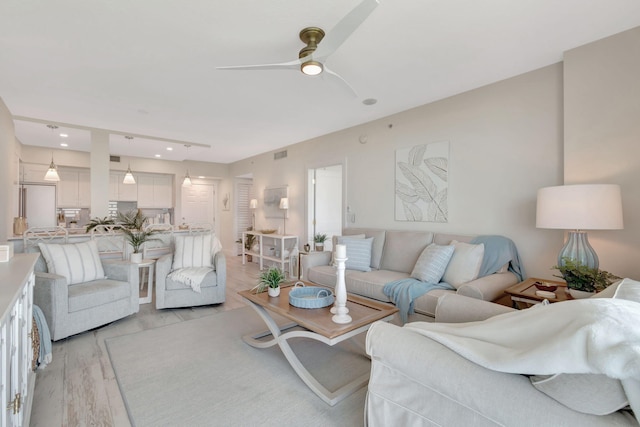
x=169, y=148
x=64, y=144
x=64, y=135
x=369, y=101
x=158, y=155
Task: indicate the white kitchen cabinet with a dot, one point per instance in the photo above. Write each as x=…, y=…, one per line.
x=33, y=173
x=155, y=191
x=74, y=189
x=16, y=345
x=120, y=192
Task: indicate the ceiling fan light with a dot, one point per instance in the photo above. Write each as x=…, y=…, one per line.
x=311, y=68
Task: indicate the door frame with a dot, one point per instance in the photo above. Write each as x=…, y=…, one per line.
x=309, y=215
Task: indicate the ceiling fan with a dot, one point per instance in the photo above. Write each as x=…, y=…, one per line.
x=312, y=57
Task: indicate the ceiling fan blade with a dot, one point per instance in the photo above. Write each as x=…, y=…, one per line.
x=342, y=80
x=344, y=28
x=281, y=66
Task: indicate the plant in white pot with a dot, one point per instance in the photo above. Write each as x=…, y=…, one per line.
x=270, y=280
x=132, y=227
x=583, y=281
x=319, y=240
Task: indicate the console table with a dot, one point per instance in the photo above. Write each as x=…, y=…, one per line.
x=281, y=241
x=16, y=345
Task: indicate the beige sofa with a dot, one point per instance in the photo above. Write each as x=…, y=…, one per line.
x=415, y=380
x=393, y=257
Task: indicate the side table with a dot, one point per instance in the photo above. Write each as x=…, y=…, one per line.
x=300, y=255
x=149, y=266
x=525, y=293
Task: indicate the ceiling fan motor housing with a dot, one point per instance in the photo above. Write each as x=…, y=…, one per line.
x=311, y=36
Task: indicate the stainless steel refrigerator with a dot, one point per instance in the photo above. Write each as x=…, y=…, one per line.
x=38, y=205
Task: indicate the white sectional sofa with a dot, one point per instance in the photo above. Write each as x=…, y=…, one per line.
x=393, y=257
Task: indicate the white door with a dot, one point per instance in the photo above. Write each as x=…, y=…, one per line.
x=199, y=204
x=325, y=202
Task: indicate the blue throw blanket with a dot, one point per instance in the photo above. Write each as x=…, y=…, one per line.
x=498, y=250
x=403, y=293
x=44, y=357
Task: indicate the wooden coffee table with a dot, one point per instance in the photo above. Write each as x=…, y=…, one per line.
x=317, y=325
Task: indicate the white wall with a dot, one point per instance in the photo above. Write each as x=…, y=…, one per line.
x=8, y=173
x=505, y=141
x=602, y=137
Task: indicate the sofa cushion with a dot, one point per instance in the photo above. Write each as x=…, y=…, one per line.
x=87, y=295
x=337, y=240
x=358, y=253
x=77, y=262
x=378, y=242
x=325, y=275
x=371, y=284
x=432, y=263
x=192, y=251
x=402, y=249
x=628, y=289
x=595, y=394
x=465, y=263
x=427, y=303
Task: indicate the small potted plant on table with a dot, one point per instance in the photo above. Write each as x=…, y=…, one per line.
x=270, y=280
x=583, y=281
x=319, y=240
x=134, y=233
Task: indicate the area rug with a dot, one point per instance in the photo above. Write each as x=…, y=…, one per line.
x=201, y=373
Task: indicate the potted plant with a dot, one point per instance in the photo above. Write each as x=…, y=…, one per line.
x=99, y=221
x=583, y=281
x=319, y=240
x=270, y=280
x=132, y=227
x=249, y=241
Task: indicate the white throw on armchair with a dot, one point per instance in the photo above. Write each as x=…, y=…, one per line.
x=194, y=274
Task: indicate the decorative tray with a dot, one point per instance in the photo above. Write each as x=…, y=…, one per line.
x=268, y=231
x=310, y=297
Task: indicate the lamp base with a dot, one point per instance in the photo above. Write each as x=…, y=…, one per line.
x=578, y=249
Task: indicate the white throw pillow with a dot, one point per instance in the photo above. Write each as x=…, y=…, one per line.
x=432, y=263
x=465, y=263
x=358, y=253
x=77, y=262
x=192, y=251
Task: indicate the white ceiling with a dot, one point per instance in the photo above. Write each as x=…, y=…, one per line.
x=148, y=67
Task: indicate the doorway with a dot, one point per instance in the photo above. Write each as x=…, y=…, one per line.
x=324, y=210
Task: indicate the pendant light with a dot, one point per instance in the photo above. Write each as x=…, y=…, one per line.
x=128, y=176
x=52, y=172
x=187, y=178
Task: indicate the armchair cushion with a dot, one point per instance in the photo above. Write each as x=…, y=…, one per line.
x=77, y=262
x=96, y=293
x=194, y=250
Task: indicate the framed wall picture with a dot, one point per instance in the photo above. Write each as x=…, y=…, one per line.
x=272, y=196
x=422, y=183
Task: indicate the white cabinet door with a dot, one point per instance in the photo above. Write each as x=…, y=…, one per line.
x=68, y=189
x=113, y=187
x=84, y=189
x=145, y=191
x=163, y=191
x=127, y=192
x=33, y=173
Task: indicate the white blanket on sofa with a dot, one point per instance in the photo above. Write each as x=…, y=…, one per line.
x=599, y=336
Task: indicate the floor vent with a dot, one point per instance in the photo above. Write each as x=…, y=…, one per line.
x=115, y=159
x=280, y=155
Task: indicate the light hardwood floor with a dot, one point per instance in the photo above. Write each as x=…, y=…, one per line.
x=78, y=388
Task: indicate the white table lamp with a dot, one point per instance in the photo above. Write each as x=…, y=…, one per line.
x=253, y=205
x=284, y=205
x=578, y=208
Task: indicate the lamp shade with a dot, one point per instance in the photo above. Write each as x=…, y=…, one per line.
x=580, y=207
x=253, y=204
x=284, y=203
